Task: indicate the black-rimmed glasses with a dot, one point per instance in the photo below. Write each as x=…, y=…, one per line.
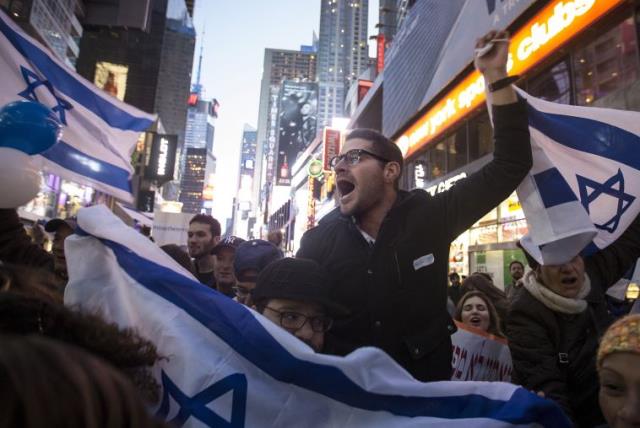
x=352, y=157
x=295, y=321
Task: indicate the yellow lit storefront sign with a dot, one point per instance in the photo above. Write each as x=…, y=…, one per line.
x=553, y=26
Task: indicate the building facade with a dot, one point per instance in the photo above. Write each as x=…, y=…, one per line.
x=343, y=53
x=199, y=166
x=53, y=23
x=243, y=225
x=279, y=65
x=149, y=69
x=200, y=127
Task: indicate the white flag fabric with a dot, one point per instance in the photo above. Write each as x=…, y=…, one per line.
x=99, y=131
x=228, y=366
x=583, y=189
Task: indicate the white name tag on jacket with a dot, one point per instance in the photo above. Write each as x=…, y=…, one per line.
x=423, y=261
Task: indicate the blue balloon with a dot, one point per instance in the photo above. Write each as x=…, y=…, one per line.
x=28, y=126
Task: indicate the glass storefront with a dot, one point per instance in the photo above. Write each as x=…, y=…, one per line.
x=554, y=84
x=62, y=198
x=44, y=204
x=72, y=197
x=490, y=242
x=607, y=64
x=495, y=263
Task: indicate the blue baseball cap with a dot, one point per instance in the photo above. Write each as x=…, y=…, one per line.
x=255, y=255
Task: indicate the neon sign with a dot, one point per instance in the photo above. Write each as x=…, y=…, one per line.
x=553, y=26
x=563, y=16
x=163, y=154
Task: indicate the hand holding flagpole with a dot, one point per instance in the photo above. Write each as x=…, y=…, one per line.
x=492, y=54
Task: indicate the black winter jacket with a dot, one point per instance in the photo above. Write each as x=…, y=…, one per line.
x=537, y=335
x=397, y=289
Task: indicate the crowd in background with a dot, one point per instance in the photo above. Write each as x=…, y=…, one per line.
x=372, y=273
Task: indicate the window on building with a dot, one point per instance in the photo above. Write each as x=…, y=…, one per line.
x=480, y=137
x=606, y=64
x=437, y=161
x=456, y=148
x=554, y=84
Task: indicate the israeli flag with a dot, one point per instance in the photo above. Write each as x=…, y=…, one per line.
x=227, y=366
x=582, y=192
x=99, y=131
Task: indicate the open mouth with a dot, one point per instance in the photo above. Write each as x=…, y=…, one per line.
x=475, y=321
x=345, y=187
x=570, y=280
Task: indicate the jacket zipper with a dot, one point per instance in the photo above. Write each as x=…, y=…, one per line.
x=395, y=256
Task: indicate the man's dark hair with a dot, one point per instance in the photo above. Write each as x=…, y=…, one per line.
x=214, y=224
x=516, y=262
x=453, y=275
x=381, y=146
x=179, y=255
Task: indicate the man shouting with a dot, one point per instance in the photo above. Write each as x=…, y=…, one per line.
x=387, y=249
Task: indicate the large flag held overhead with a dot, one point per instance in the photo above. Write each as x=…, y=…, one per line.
x=227, y=366
x=99, y=131
x=584, y=187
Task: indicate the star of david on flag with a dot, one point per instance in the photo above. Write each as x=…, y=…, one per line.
x=582, y=191
x=99, y=131
x=33, y=82
x=196, y=406
x=228, y=366
x=591, y=190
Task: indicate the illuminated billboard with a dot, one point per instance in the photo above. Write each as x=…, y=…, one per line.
x=112, y=78
x=297, y=119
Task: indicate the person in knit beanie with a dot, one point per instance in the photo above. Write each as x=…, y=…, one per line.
x=618, y=366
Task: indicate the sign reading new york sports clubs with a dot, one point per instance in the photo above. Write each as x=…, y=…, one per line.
x=552, y=27
x=331, y=141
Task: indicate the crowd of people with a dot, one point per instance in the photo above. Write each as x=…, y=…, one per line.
x=372, y=273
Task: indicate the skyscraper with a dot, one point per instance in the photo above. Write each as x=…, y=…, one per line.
x=279, y=65
x=200, y=122
x=244, y=202
x=199, y=133
x=199, y=165
x=342, y=55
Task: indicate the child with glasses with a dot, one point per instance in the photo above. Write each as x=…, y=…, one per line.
x=294, y=294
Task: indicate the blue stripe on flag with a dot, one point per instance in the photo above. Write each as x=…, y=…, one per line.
x=589, y=250
x=588, y=135
x=65, y=81
x=76, y=161
x=554, y=189
x=235, y=325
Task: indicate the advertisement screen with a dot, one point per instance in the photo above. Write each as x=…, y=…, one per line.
x=112, y=78
x=162, y=158
x=297, y=118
